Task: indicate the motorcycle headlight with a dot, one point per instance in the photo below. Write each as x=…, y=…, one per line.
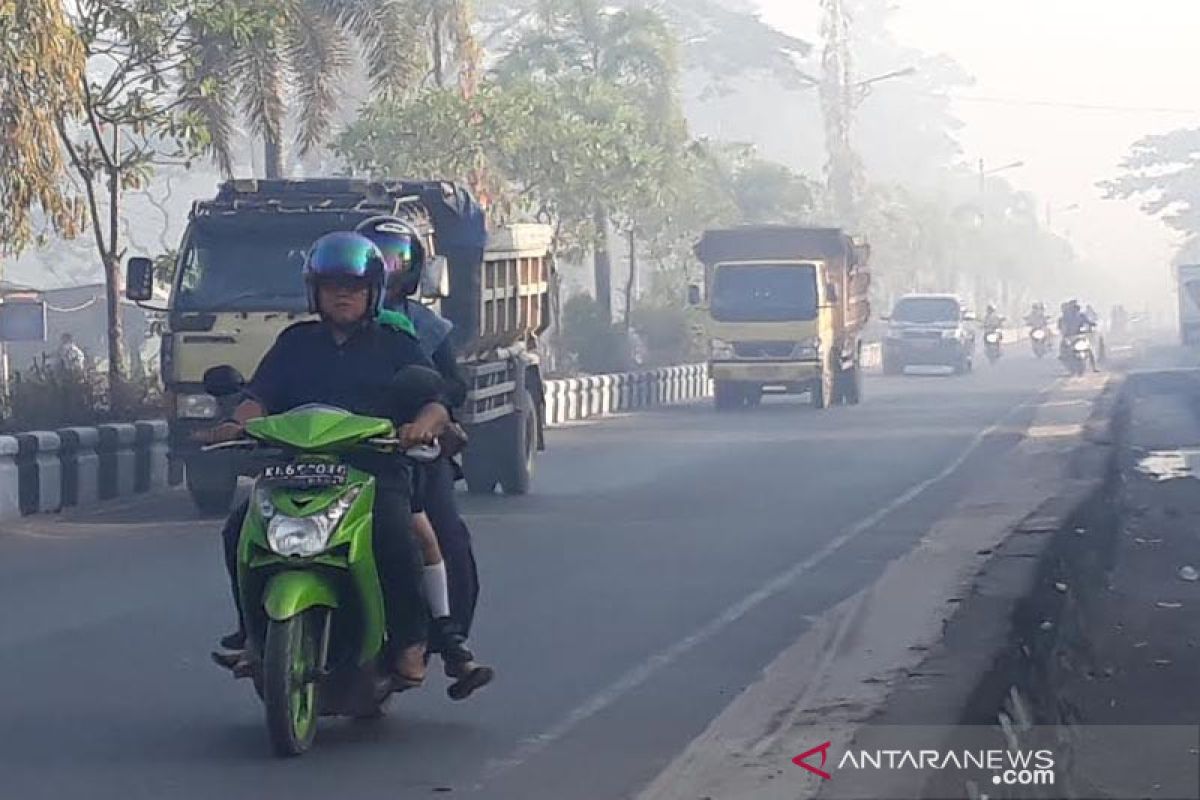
x=308, y=536
x=196, y=406
x=1039, y=334
x=808, y=349
x=1082, y=346
x=719, y=349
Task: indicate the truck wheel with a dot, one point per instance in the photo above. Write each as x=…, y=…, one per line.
x=519, y=444
x=211, y=494
x=477, y=469
x=726, y=395
x=851, y=380
x=752, y=397
x=822, y=393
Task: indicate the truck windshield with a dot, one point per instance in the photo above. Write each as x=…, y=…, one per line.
x=926, y=310
x=244, y=268
x=764, y=293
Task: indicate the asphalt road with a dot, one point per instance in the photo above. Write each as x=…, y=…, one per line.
x=662, y=561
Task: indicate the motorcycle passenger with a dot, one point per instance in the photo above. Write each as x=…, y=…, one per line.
x=451, y=576
x=346, y=359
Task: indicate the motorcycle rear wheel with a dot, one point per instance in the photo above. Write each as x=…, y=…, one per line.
x=289, y=668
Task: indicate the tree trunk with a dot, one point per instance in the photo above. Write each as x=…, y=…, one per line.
x=116, y=333
x=602, y=261
x=112, y=275
x=273, y=157
x=631, y=284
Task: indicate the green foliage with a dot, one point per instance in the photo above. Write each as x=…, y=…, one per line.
x=1165, y=170
x=267, y=59
x=48, y=395
x=591, y=343
x=41, y=66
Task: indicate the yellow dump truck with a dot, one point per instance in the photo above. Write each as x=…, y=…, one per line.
x=238, y=283
x=785, y=308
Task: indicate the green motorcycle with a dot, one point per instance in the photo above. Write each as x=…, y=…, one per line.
x=312, y=602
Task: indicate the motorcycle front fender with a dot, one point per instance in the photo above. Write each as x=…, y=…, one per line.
x=290, y=593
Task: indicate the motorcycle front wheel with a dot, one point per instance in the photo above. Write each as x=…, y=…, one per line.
x=289, y=667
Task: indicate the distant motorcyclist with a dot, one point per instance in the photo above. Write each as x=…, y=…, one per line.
x=1073, y=324
x=992, y=321
x=1072, y=321
x=1036, y=319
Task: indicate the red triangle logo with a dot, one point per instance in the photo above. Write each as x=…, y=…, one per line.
x=802, y=760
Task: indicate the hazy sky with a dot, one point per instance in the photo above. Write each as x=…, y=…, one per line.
x=1065, y=53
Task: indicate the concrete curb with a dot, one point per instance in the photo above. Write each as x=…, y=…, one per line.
x=46, y=471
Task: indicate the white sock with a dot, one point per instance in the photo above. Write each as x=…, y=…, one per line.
x=437, y=589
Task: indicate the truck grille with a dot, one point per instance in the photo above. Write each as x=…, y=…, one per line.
x=763, y=349
x=923, y=335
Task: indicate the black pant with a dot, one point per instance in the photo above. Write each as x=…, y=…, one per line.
x=454, y=539
x=396, y=554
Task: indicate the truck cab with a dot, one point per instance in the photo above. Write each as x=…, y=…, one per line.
x=238, y=282
x=784, y=307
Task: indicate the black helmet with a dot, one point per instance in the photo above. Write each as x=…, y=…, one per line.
x=403, y=252
x=345, y=256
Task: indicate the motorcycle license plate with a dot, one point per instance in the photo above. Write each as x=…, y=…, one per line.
x=306, y=474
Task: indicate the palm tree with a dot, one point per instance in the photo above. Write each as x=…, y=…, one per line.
x=270, y=55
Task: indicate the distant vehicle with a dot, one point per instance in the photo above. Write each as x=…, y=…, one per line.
x=786, y=307
x=1188, y=276
x=928, y=330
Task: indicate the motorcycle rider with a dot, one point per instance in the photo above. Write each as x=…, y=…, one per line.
x=1036, y=318
x=346, y=359
x=1073, y=323
x=992, y=321
x=450, y=559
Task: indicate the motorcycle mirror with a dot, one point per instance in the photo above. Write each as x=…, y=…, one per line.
x=414, y=386
x=223, y=381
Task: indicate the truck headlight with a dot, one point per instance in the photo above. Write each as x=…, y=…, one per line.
x=196, y=406
x=308, y=536
x=719, y=349
x=808, y=350
x=952, y=333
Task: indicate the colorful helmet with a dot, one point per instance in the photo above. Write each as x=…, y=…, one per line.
x=403, y=252
x=345, y=257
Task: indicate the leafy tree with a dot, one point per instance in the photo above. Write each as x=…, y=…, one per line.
x=610, y=69
x=1165, y=170
x=131, y=119
x=41, y=69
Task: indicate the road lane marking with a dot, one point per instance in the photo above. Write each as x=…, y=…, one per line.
x=641, y=673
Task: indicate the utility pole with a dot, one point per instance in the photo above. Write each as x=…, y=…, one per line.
x=843, y=171
x=841, y=96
